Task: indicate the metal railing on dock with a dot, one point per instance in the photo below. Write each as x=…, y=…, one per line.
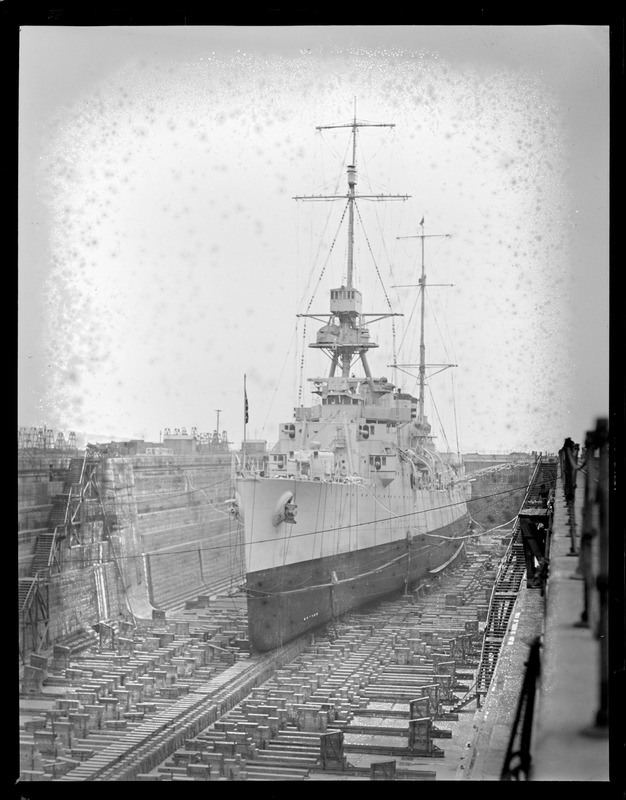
x=592, y=549
x=594, y=558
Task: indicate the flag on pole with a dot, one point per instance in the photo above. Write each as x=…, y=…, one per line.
x=422, y=222
x=245, y=395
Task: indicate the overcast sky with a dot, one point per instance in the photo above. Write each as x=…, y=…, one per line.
x=162, y=255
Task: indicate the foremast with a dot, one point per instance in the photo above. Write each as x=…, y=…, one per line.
x=346, y=333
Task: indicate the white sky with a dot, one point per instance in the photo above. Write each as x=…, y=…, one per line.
x=162, y=256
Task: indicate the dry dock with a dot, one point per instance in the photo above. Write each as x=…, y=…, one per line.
x=185, y=699
x=424, y=686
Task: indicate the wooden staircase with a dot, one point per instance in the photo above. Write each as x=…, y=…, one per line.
x=43, y=553
x=25, y=588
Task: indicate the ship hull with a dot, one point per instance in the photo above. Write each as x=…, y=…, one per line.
x=291, y=595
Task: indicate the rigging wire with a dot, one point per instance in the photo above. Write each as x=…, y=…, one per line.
x=369, y=246
x=407, y=327
x=330, y=251
x=449, y=358
x=434, y=317
x=334, y=529
x=177, y=494
x=330, y=584
x=301, y=378
x=441, y=427
x=456, y=421
x=371, y=183
x=308, y=307
x=278, y=380
x=340, y=160
x=312, y=270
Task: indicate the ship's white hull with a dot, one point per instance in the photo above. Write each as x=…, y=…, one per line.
x=350, y=544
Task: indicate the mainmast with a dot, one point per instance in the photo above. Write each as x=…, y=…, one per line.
x=351, y=197
x=422, y=287
x=345, y=304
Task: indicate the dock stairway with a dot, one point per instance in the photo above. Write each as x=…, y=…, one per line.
x=507, y=584
x=46, y=555
x=33, y=589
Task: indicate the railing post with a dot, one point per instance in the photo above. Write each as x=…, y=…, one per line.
x=599, y=580
x=517, y=763
x=569, y=467
x=602, y=581
x=589, y=532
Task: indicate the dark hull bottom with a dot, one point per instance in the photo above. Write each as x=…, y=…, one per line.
x=285, y=602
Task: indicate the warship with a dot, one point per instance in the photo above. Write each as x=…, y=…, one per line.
x=353, y=502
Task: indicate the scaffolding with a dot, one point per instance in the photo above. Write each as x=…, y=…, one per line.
x=65, y=524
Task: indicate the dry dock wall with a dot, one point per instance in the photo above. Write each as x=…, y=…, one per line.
x=165, y=533
x=190, y=542
x=40, y=478
x=498, y=496
x=80, y=597
x=117, y=491
x=87, y=587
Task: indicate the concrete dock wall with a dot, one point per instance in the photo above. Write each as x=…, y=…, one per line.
x=77, y=602
x=165, y=533
x=497, y=497
x=40, y=479
x=190, y=542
